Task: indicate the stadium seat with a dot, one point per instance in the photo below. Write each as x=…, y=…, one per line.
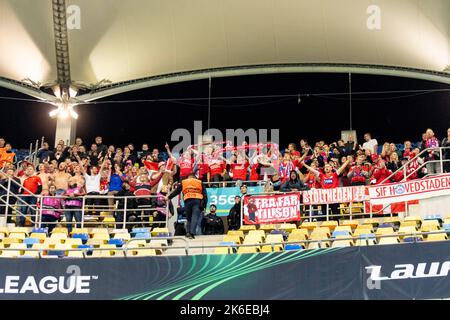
x=52, y=242
x=231, y=238
x=74, y=242
x=274, y=238
x=123, y=236
x=287, y=226
x=116, y=242
x=30, y=241
x=83, y=236
x=363, y=229
x=430, y=225
x=20, y=230
x=101, y=236
x=243, y=250
x=85, y=248
x=352, y=224
x=30, y=253
x=19, y=250
x=309, y=225
x=330, y=224
x=60, y=250
x=446, y=226
x=253, y=239
x=291, y=247
x=137, y=243
x=283, y=233
x=405, y=231
x=323, y=230
x=300, y=231
x=142, y=235
x=295, y=237
x=247, y=228
x=9, y=241
x=342, y=243
x=4, y=230
x=385, y=231
x=413, y=218
x=60, y=236
x=104, y=253
x=388, y=240
x=339, y=233
x=99, y=231
x=318, y=245
x=96, y=242
x=75, y=254
x=144, y=252
x=239, y=233
x=157, y=231
x=40, y=236
x=412, y=239
x=256, y=233
x=385, y=225
x=61, y=230
x=79, y=230
x=366, y=240
x=40, y=230
x=267, y=227
x=2, y=236
x=437, y=237
x=409, y=223
x=17, y=235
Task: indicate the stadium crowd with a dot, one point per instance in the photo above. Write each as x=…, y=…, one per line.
x=99, y=169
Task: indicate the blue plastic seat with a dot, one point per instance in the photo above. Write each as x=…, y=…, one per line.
x=86, y=246
x=163, y=234
x=139, y=230
x=412, y=239
x=58, y=253
x=30, y=241
x=116, y=242
x=142, y=235
x=40, y=230
x=340, y=233
x=83, y=236
x=434, y=217
x=446, y=226
x=290, y=247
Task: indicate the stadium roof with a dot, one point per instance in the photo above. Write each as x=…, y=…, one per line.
x=116, y=46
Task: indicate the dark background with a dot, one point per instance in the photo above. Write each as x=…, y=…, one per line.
x=390, y=117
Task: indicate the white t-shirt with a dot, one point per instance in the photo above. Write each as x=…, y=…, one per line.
x=370, y=145
x=92, y=183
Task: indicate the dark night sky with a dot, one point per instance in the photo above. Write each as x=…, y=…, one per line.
x=315, y=118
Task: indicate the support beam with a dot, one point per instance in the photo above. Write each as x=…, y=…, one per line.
x=65, y=130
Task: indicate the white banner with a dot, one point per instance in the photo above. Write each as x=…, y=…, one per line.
x=335, y=195
x=410, y=190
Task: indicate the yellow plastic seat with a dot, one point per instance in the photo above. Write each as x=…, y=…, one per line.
x=17, y=235
x=296, y=237
x=300, y=231
x=287, y=226
x=230, y=238
x=309, y=225
x=75, y=254
x=60, y=236
x=123, y=236
x=406, y=231
x=40, y=236
x=4, y=230
x=365, y=242
x=63, y=247
x=344, y=228
x=223, y=250
x=239, y=233
x=155, y=231
x=60, y=230
x=437, y=237
x=318, y=245
x=267, y=227
x=274, y=238
x=319, y=236
x=20, y=230
x=9, y=241
x=19, y=249
x=101, y=236
x=324, y=230
x=409, y=223
x=104, y=253
x=341, y=243
x=267, y=248
x=352, y=224
x=413, y=218
x=385, y=231
x=137, y=243
x=99, y=231
x=330, y=224
x=52, y=242
x=31, y=254
x=389, y=240
x=144, y=252
x=74, y=243
x=253, y=239
x=243, y=250
x=2, y=236
x=391, y=220
x=256, y=233
x=96, y=242
x=247, y=228
x=79, y=230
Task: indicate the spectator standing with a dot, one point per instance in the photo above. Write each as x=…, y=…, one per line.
x=52, y=207
x=446, y=152
x=31, y=187
x=432, y=155
x=370, y=144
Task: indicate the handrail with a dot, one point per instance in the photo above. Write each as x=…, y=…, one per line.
x=405, y=166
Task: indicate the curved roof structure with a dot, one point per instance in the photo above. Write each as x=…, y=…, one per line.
x=117, y=45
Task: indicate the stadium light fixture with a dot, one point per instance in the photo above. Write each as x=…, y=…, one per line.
x=64, y=110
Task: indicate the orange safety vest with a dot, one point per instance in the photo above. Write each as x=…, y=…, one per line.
x=6, y=158
x=192, y=189
x=2, y=151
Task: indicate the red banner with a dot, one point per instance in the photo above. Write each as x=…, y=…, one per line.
x=269, y=209
x=335, y=195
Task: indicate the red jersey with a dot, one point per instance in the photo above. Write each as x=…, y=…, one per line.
x=254, y=175
x=31, y=183
x=239, y=170
x=329, y=181
x=217, y=167
x=381, y=174
x=357, y=175
x=186, y=167
x=311, y=181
